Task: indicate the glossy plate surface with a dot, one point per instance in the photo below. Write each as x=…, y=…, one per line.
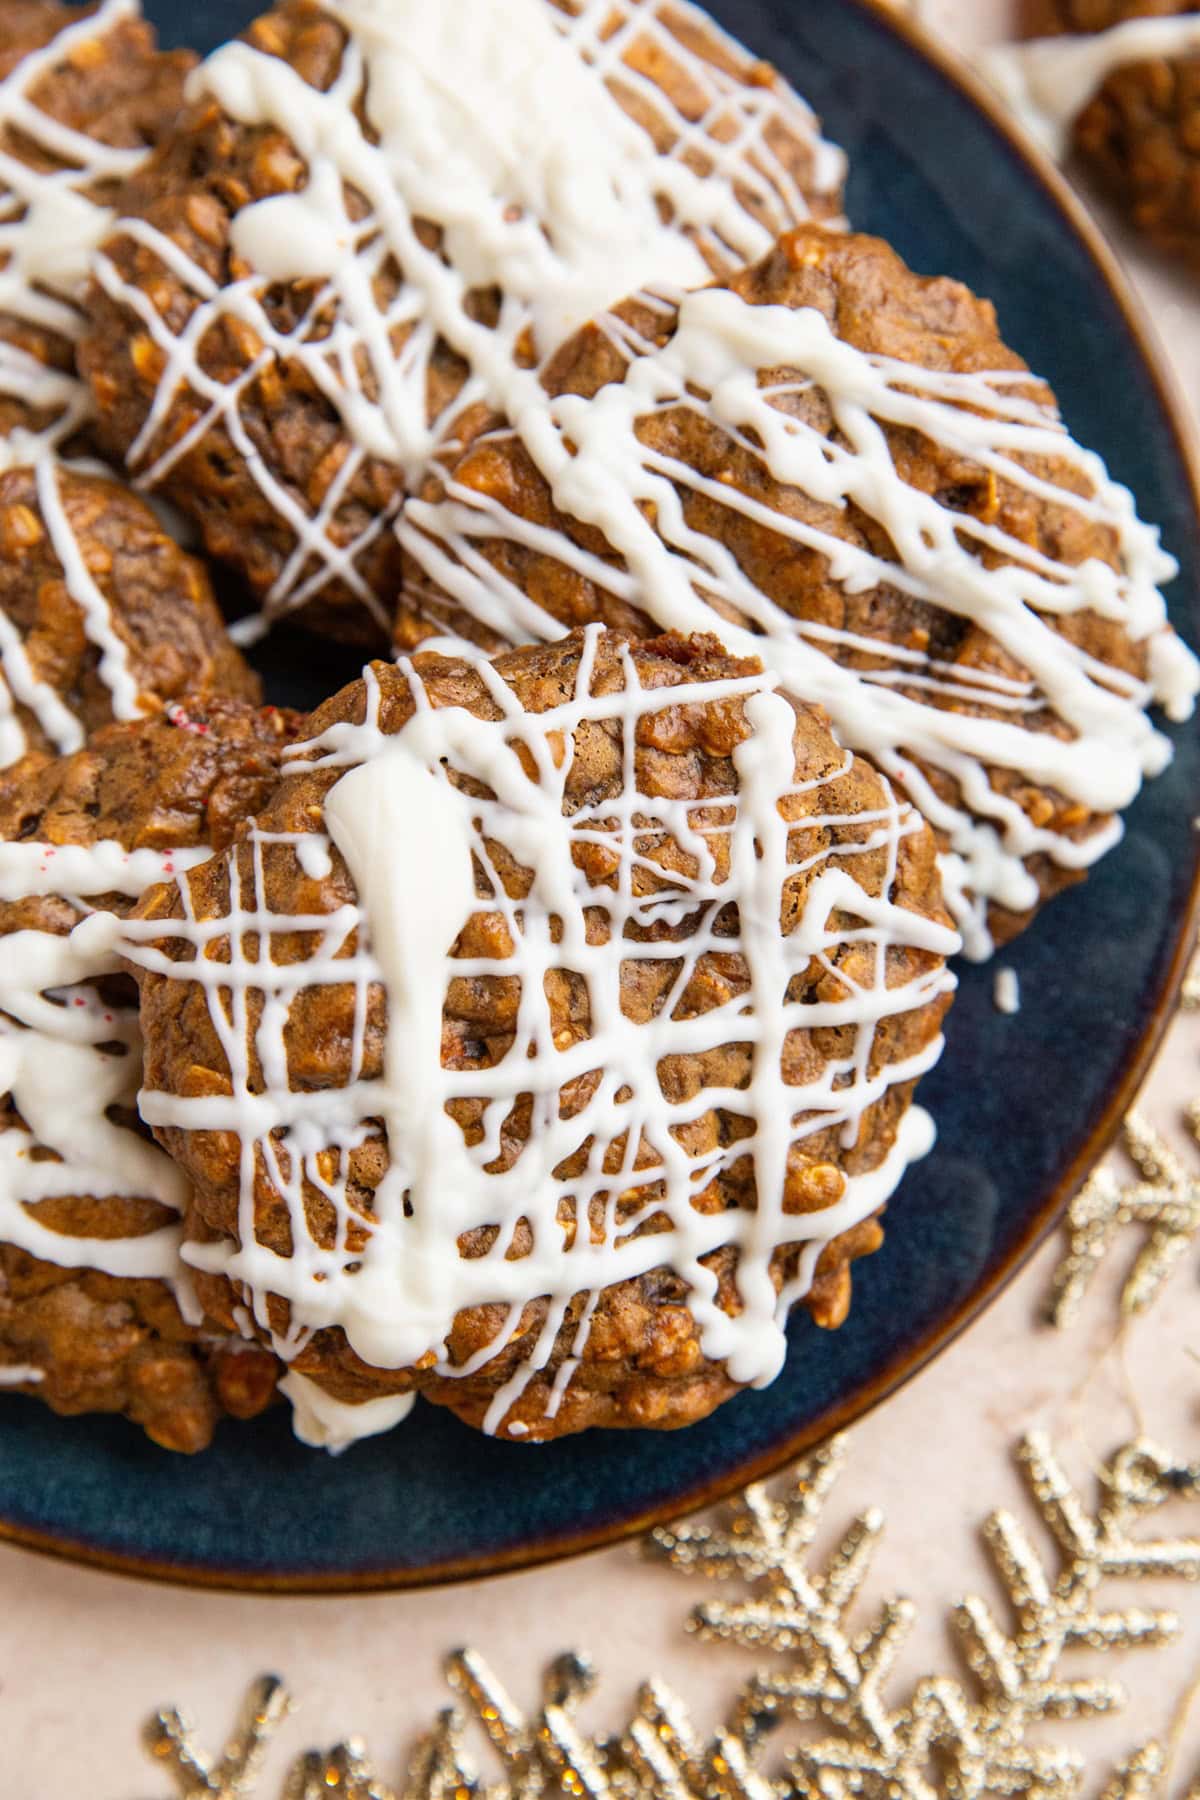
x=1023, y=1104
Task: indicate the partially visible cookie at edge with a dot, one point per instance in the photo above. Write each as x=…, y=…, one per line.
x=96, y=1311
x=93, y=71
x=1136, y=133
x=102, y=615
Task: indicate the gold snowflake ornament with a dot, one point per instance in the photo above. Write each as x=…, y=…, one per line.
x=962, y=1736
x=1164, y=1204
x=170, y=1739
x=978, y=1738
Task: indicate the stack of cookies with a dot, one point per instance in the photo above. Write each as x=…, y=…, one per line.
x=535, y=1024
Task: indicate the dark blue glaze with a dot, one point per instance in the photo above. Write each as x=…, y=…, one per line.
x=1015, y=1099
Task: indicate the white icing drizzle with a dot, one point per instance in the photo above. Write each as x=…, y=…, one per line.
x=49, y=229
x=501, y=122
x=48, y=225
x=601, y=473
x=1006, y=991
x=20, y=1375
x=113, y=668
x=67, y=1058
x=1048, y=81
x=497, y=128
x=397, y=1296
x=328, y=1424
x=64, y=397
x=29, y=870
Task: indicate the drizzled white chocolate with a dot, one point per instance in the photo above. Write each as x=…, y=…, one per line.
x=21, y=1375
x=328, y=1424
x=29, y=382
x=409, y=837
x=69, y=1058
x=601, y=473
x=49, y=227
x=510, y=125
x=1048, y=81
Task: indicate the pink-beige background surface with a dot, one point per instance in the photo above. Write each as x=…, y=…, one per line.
x=84, y=1658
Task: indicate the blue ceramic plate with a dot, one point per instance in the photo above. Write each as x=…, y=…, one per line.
x=1024, y=1105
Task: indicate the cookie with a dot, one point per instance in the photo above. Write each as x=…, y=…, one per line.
x=84, y=94
x=587, y=995
x=97, y=1312
x=366, y=220
x=102, y=615
x=838, y=464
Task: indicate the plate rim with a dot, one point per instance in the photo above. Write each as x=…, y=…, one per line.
x=1185, y=432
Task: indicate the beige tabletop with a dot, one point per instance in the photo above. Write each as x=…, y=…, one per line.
x=85, y=1657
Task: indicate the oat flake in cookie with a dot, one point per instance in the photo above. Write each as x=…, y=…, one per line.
x=839, y=465
x=548, y=1036
x=97, y=1313
x=379, y=212
x=83, y=96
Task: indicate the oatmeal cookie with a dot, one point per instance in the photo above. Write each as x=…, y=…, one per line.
x=96, y=1311
x=1139, y=132
x=839, y=464
x=93, y=72
x=102, y=615
x=332, y=249
x=589, y=993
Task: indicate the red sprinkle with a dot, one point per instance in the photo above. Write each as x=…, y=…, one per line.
x=179, y=718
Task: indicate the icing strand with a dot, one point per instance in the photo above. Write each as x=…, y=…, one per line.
x=396, y=1296
x=600, y=472
x=541, y=183
x=1048, y=81
x=49, y=229
x=73, y=871
x=20, y=1375
x=39, y=390
x=48, y=225
x=69, y=1058
x=328, y=1424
